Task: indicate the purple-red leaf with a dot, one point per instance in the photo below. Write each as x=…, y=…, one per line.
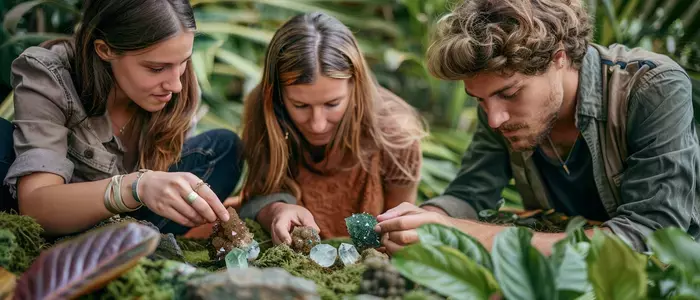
x=86, y=263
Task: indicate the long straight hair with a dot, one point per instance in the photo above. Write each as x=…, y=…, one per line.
x=304, y=47
x=131, y=25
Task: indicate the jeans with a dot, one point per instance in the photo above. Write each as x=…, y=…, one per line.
x=214, y=156
x=7, y=156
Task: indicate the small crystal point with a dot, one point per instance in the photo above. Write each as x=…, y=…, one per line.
x=324, y=255
x=253, y=250
x=348, y=254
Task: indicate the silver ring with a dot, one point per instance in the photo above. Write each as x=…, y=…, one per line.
x=191, y=197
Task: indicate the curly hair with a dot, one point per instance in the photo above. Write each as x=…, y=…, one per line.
x=507, y=36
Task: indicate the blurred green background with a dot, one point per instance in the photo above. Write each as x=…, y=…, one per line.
x=393, y=34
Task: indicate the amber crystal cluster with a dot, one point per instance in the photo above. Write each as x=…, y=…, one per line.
x=304, y=238
x=228, y=235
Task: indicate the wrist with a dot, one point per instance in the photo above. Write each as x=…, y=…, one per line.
x=433, y=208
x=127, y=193
x=268, y=212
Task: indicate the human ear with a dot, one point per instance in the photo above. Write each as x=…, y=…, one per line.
x=560, y=59
x=104, y=51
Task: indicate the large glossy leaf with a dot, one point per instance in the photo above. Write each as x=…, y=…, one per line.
x=572, y=274
x=87, y=262
x=436, y=234
x=445, y=270
x=615, y=270
x=521, y=270
x=675, y=247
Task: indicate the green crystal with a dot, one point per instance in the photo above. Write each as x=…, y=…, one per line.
x=236, y=259
x=361, y=229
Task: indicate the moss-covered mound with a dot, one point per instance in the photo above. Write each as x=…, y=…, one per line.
x=20, y=243
x=331, y=283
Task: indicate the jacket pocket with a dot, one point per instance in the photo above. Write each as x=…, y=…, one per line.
x=92, y=162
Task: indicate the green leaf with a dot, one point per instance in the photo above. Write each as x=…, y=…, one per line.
x=572, y=274
x=249, y=68
x=522, y=271
x=13, y=16
x=615, y=270
x=432, y=149
x=445, y=270
x=261, y=36
x=436, y=234
x=675, y=247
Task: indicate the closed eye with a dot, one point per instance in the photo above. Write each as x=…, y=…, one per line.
x=511, y=96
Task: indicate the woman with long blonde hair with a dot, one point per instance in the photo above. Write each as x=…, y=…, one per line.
x=102, y=121
x=322, y=139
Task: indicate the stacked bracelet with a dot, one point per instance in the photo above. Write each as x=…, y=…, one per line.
x=113, y=197
x=135, y=186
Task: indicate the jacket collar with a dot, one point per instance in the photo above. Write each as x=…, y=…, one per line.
x=589, y=97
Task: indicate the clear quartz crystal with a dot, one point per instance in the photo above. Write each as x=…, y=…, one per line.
x=253, y=250
x=324, y=255
x=348, y=254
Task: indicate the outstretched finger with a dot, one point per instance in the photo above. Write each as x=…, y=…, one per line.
x=209, y=197
x=281, y=234
x=402, y=209
x=389, y=245
x=402, y=223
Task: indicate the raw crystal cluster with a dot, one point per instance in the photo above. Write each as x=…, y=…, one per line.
x=304, y=238
x=348, y=254
x=324, y=255
x=232, y=234
x=381, y=279
x=361, y=229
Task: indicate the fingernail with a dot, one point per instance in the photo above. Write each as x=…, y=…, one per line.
x=226, y=217
x=377, y=228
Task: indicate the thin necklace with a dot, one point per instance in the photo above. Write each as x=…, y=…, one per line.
x=121, y=130
x=563, y=164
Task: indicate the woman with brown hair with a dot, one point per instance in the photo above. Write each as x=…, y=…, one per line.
x=322, y=139
x=102, y=121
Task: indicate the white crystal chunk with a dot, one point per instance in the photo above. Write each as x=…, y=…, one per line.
x=348, y=254
x=324, y=255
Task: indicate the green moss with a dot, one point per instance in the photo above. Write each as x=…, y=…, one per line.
x=335, y=242
x=8, y=246
x=333, y=283
x=28, y=238
x=162, y=279
x=196, y=257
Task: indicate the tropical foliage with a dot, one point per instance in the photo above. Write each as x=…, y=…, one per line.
x=393, y=34
x=456, y=265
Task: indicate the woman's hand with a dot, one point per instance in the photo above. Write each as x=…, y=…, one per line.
x=165, y=194
x=281, y=218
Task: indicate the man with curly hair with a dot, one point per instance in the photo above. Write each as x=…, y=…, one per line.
x=606, y=133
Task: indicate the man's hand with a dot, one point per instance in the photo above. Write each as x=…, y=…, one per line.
x=397, y=225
